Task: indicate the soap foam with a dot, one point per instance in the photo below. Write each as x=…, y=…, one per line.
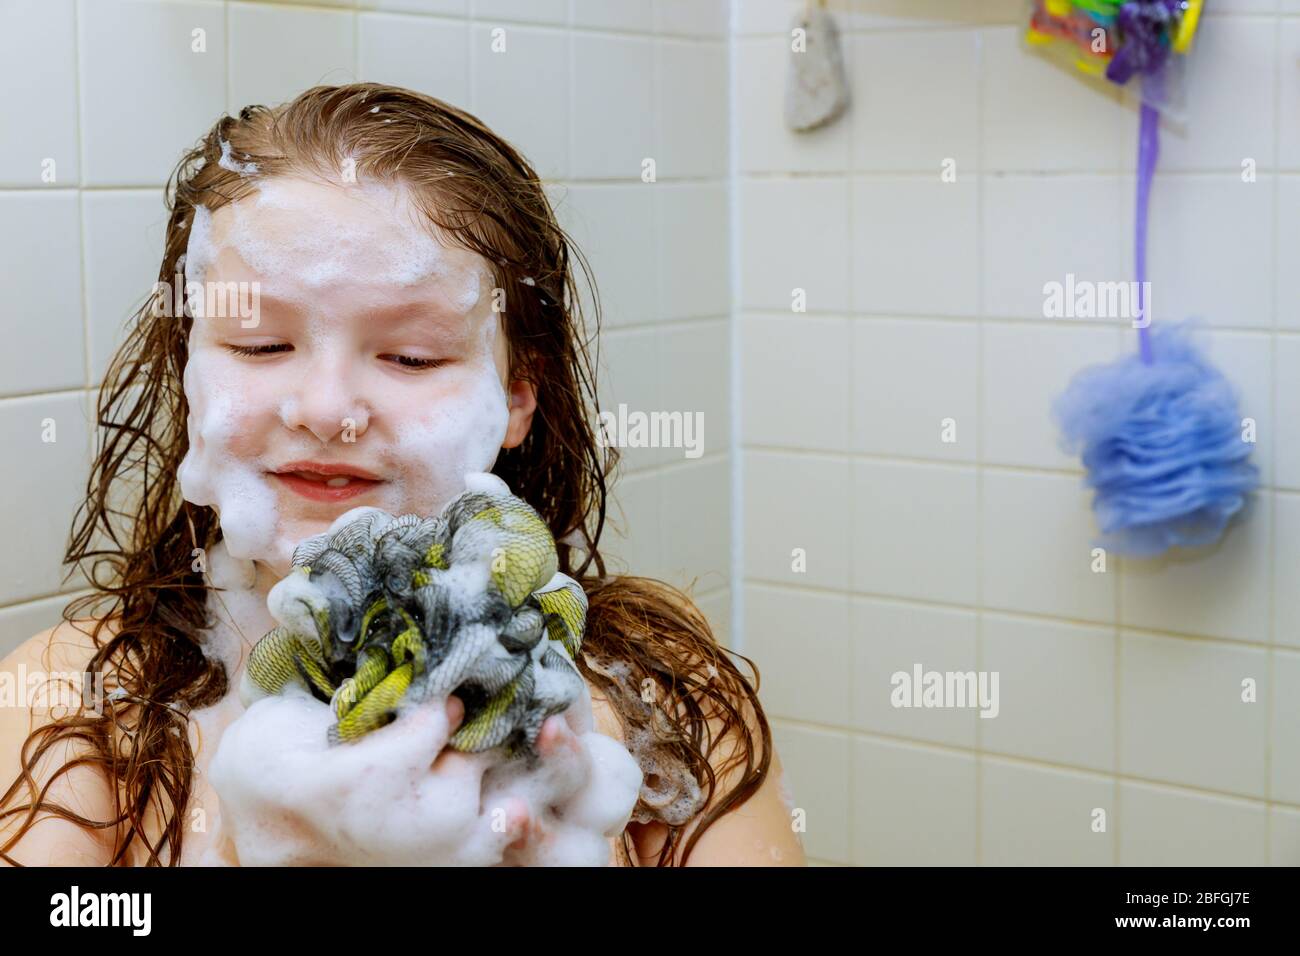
x=212, y=474
x=226, y=162
x=272, y=762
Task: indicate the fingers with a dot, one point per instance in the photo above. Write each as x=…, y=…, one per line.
x=418, y=734
x=455, y=714
x=565, y=763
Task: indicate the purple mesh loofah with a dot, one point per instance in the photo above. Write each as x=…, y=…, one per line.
x=1162, y=445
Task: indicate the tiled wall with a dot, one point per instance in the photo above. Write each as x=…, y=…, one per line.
x=1122, y=690
x=113, y=91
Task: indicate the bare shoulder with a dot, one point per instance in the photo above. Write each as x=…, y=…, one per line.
x=44, y=681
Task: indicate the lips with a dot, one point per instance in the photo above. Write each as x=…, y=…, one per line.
x=322, y=481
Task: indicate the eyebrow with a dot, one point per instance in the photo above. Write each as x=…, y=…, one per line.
x=423, y=312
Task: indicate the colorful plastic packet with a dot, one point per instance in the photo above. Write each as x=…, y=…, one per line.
x=1115, y=39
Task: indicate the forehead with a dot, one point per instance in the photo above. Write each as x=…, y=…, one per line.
x=324, y=241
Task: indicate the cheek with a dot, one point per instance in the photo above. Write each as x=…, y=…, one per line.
x=230, y=410
x=454, y=429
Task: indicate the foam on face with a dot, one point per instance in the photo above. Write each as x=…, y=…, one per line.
x=319, y=245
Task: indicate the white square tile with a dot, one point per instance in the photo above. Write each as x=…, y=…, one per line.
x=442, y=7
x=630, y=542
x=1163, y=826
x=1040, y=115
x=915, y=101
x=345, y=4
x=692, y=105
x=694, y=240
x=125, y=234
x=522, y=91
x=795, y=386
x=914, y=391
x=765, y=16
x=915, y=246
x=699, y=18
x=1038, y=231
x=1288, y=250
x=1182, y=717
x=1286, y=557
x=695, y=364
x=136, y=119
x=889, y=638
x=1188, y=261
x=763, y=142
x=40, y=293
x=1026, y=368
x=535, y=11
x=628, y=373
x=1040, y=816
x=1037, y=556
x=277, y=52
x=794, y=234
x=1288, y=148
x=1231, y=88
x=429, y=56
x=904, y=14
x=1056, y=691
x=636, y=16
x=800, y=643
x=1284, y=831
x=52, y=484
x=1284, y=695
x=914, y=531
x=615, y=228
x=1220, y=591
x=696, y=532
x=817, y=766
x=38, y=119
x=1229, y=7
x=613, y=107
x=785, y=509
x=913, y=806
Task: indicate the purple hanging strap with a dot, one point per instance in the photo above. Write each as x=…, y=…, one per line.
x=1148, y=152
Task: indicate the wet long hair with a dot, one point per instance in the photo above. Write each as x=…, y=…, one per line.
x=485, y=197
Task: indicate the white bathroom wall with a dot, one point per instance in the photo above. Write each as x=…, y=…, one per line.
x=113, y=91
x=1119, y=690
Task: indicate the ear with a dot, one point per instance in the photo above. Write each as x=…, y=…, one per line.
x=523, y=402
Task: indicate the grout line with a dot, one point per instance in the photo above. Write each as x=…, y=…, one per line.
x=81, y=207
x=980, y=264
x=1015, y=613
x=853, y=734
x=1271, y=691
x=736, y=366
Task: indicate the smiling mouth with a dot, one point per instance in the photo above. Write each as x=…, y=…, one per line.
x=319, y=487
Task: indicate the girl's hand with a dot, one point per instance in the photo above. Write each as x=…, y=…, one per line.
x=397, y=797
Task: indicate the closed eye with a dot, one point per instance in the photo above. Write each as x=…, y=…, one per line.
x=409, y=361
x=259, y=349
x=406, y=361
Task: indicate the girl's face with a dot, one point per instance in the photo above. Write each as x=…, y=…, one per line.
x=373, y=372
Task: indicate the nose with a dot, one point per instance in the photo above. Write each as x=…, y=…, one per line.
x=327, y=399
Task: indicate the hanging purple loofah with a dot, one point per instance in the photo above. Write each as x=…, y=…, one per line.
x=1159, y=432
x=1162, y=443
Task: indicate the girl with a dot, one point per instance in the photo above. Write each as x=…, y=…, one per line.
x=366, y=329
